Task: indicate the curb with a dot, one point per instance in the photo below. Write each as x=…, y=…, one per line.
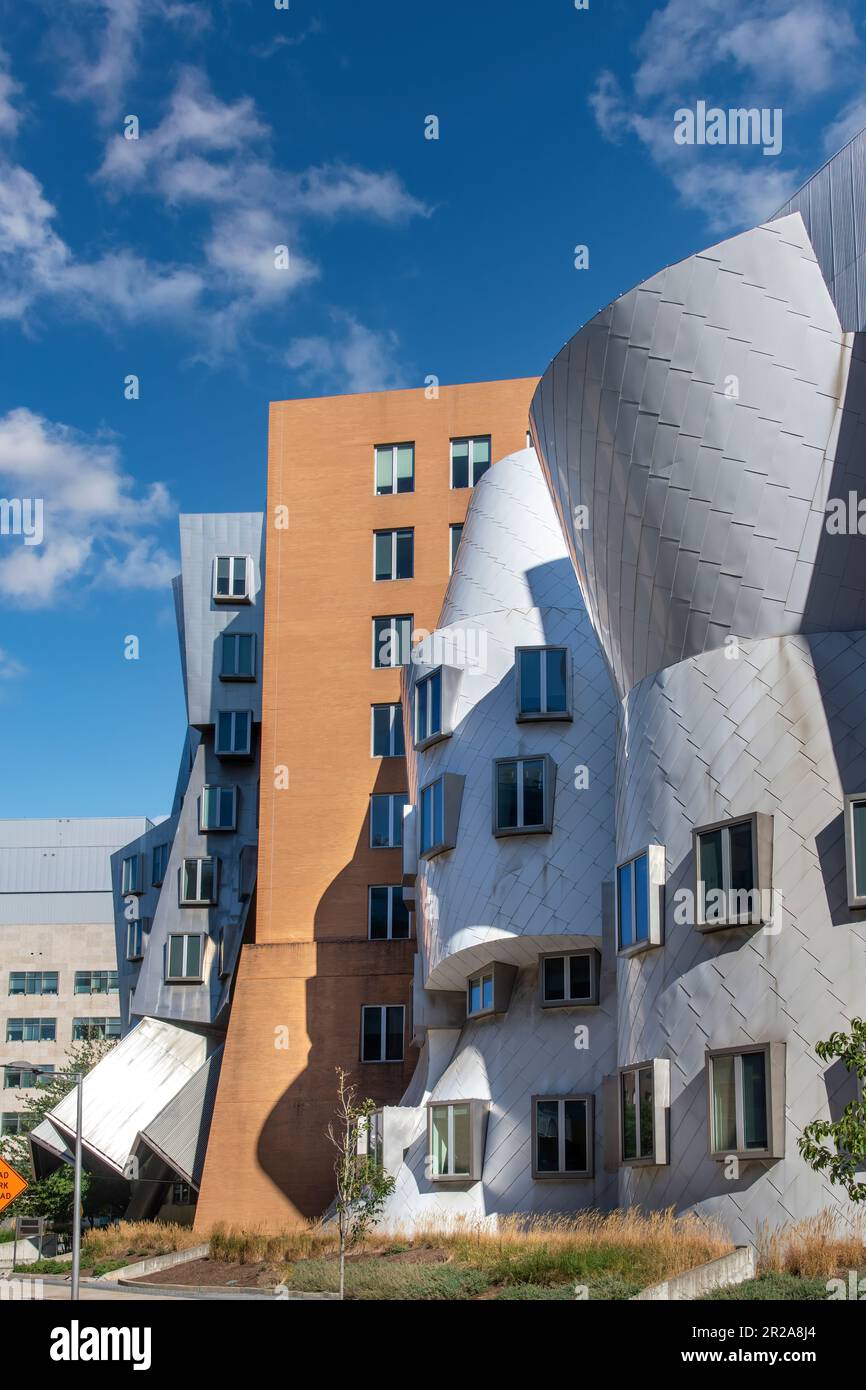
x=154, y=1264
x=735, y=1268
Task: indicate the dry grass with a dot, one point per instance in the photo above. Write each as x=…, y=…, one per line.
x=535, y=1250
x=814, y=1248
x=138, y=1239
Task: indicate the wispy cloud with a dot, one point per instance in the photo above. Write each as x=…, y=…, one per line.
x=691, y=49
x=352, y=358
x=10, y=669
x=96, y=527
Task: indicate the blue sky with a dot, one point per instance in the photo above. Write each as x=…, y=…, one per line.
x=305, y=127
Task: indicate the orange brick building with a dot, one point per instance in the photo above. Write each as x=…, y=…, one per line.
x=358, y=486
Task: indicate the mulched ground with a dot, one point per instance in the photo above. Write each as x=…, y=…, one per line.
x=215, y=1273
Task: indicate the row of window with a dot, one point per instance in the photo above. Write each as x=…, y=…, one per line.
x=23, y=1079
x=47, y=982
x=394, y=552
x=394, y=468
x=184, y=952
x=45, y=1029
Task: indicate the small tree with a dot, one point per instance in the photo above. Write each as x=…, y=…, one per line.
x=52, y=1196
x=848, y=1133
x=362, y=1184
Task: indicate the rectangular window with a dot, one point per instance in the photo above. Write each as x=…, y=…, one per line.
x=232, y=578
x=855, y=849
x=456, y=535
x=392, y=641
x=727, y=874
x=159, y=864
x=181, y=1193
x=95, y=982
x=184, y=955
x=198, y=882
x=387, y=731
x=218, y=808
x=388, y=915
x=131, y=876
x=569, y=979
x=33, y=981
x=382, y=1028
x=643, y=1102
x=480, y=994
x=470, y=460
x=134, y=940
x=31, y=1029
x=85, y=1029
x=523, y=796
x=428, y=707
x=395, y=468
x=542, y=683
x=234, y=733
x=12, y=1122
x=433, y=817
x=386, y=820
x=639, y=884
x=562, y=1136
x=238, y=656
x=222, y=954
x=394, y=554
x=746, y=1088
x=451, y=1132
x=25, y=1079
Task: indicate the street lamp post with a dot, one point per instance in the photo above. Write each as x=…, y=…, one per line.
x=76, y=1197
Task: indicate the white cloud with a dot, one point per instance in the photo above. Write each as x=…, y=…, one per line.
x=9, y=89
x=354, y=358
x=96, y=529
x=851, y=120
x=10, y=669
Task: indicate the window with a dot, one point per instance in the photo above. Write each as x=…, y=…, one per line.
x=84, y=1029
x=428, y=708
x=470, y=460
x=386, y=820
x=569, y=979
x=218, y=808
x=222, y=954
x=432, y=817
x=644, y=1098
x=746, y=1095
x=456, y=535
x=198, y=882
x=394, y=554
x=131, y=879
x=733, y=866
x=234, y=733
x=31, y=1030
x=232, y=575
x=855, y=849
x=387, y=731
x=12, y=1122
x=489, y=992
x=238, y=656
x=134, y=940
x=33, y=982
x=395, y=468
x=376, y=1138
x=562, y=1136
x=24, y=1079
x=523, y=795
x=382, y=1032
x=95, y=982
x=392, y=641
x=542, y=683
x=181, y=1193
x=638, y=900
x=455, y=1139
x=387, y=914
x=184, y=956
x=159, y=864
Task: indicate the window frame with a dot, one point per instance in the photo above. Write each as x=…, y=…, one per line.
x=425, y=684
x=135, y=930
x=564, y=1174
x=470, y=440
x=594, y=957
x=548, y=795
x=233, y=715
x=452, y=549
x=27, y=976
x=502, y=976
x=383, y=1060
x=393, y=619
x=852, y=799
x=762, y=870
x=246, y=597
x=393, y=490
x=125, y=890
x=543, y=715
x=80, y=975
x=98, y=1021
x=392, y=819
x=37, y=1019
x=186, y=937
x=656, y=876
x=220, y=787
x=394, y=532
x=236, y=675
x=774, y=1054
x=478, y=1114
x=660, y=1156
x=163, y=845
x=198, y=901
x=392, y=889
x=395, y=710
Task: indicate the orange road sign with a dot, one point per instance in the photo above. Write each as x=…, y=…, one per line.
x=11, y=1184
